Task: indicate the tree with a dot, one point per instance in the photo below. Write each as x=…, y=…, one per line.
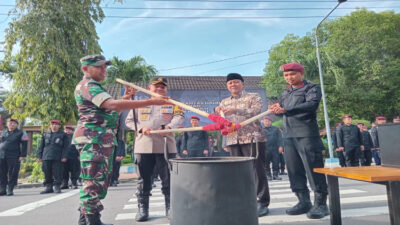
x=48, y=38
x=360, y=59
x=132, y=70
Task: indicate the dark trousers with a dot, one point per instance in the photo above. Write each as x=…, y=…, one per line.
x=7, y=166
x=52, y=170
x=145, y=165
x=272, y=156
x=195, y=153
x=302, y=155
x=71, y=169
x=367, y=156
x=282, y=164
x=116, y=167
x=15, y=173
x=342, y=160
x=377, y=157
x=352, y=155
x=260, y=175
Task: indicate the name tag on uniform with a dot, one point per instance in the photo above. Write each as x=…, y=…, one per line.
x=167, y=110
x=144, y=110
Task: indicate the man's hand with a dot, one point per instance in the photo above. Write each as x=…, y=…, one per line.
x=226, y=149
x=146, y=131
x=64, y=160
x=39, y=160
x=229, y=111
x=185, y=152
x=340, y=149
x=280, y=150
x=378, y=149
x=160, y=101
x=119, y=158
x=205, y=152
x=276, y=109
x=21, y=159
x=130, y=93
x=362, y=147
x=164, y=134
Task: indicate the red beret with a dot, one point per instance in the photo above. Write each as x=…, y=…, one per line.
x=380, y=118
x=195, y=117
x=69, y=127
x=267, y=118
x=346, y=116
x=293, y=67
x=55, y=121
x=358, y=123
x=181, y=127
x=338, y=124
x=14, y=120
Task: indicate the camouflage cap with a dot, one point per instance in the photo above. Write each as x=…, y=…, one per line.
x=159, y=80
x=94, y=60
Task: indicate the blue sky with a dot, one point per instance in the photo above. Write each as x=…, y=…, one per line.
x=170, y=43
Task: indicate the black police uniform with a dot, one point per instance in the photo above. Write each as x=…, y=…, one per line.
x=274, y=141
x=375, y=140
x=120, y=151
x=349, y=137
x=303, y=150
x=53, y=147
x=179, y=144
x=195, y=142
x=368, y=144
x=71, y=166
x=342, y=160
x=12, y=146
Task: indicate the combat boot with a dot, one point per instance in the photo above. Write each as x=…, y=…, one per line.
x=49, y=189
x=74, y=184
x=57, y=188
x=303, y=206
x=262, y=210
x=276, y=177
x=3, y=190
x=320, y=208
x=94, y=219
x=10, y=190
x=64, y=185
x=167, y=205
x=143, y=209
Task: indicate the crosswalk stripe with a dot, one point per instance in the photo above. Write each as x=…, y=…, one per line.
x=131, y=216
x=33, y=205
x=368, y=211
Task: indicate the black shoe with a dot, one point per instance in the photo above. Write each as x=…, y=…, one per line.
x=74, y=187
x=303, y=206
x=320, y=209
x=3, y=190
x=143, y=209
x=64, y=186
x=262, y=210
x=94, y=219
x=113, y=184
x=57, y=189
x=10, y=190
x=167, y=205
x=276, y=177
x=49, y=189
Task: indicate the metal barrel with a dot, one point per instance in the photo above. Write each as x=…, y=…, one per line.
x=213, y=191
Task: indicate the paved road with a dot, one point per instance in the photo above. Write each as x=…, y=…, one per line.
x=362, y=203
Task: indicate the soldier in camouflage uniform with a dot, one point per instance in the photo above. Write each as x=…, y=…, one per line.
x=238, y=108
x=94, y=136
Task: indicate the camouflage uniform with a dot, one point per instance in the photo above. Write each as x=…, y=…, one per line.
x=95, y=139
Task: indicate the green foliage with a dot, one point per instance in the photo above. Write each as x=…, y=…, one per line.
x=132, y=70
x=44, y=43
x=37, y=173
x=27, y=166
x=360, y=56
x=4, y=112
x=278, y=123
x=127, y=160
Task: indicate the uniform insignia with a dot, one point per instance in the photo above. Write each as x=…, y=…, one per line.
x=178, y=111
x=143, y=116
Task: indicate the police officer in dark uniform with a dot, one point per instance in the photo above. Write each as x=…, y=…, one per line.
x=349, y=140
x=298, y=105
x=342, y=160
x=52, y=151
x=179, y=142
x=374, y=134
x=368, y=144
x=273, y=147
x=13, y=147
x=72, y=167
x=119, y=155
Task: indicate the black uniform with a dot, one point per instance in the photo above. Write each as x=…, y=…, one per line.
x=302, y=143
x=342, y=160
x=375, y=141
x=13, y=144
x=349, y=137
x=195, y=142
x=179, y=144
x=72, y=166
x=53, y=147
x=368, y=144
x=120, y=151
x=274, y=141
